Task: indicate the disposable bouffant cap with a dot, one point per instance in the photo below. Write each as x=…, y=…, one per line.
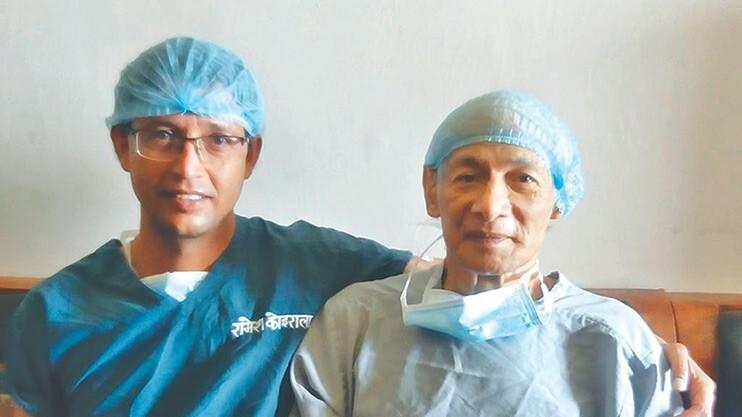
x=187, y=75
x=515, y=118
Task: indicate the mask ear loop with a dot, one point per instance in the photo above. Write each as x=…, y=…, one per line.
x=420, y=263
x=547, y=298
x=403, y=295
x=544, y=310
x=430, y=246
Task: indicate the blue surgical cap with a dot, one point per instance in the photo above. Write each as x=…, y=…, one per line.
x=515, y=118
x=187, y=75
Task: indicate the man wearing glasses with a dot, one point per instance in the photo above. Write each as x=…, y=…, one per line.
x=199, y=313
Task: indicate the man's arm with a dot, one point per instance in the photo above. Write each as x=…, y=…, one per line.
x=347, y=259
x=27, y=368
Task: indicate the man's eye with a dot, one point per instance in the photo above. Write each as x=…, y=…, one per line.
x=223, y=140
x=525, y=178
x=160, y=135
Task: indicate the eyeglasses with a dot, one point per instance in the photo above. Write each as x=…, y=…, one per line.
x=166, y=146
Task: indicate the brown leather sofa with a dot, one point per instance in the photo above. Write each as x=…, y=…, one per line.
x=708, y=324
x=689, y=318
x=692, y=319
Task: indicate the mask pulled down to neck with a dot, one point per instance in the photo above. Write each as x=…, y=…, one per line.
x=501, y=312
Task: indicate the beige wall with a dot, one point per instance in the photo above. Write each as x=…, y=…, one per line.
x=354, y=89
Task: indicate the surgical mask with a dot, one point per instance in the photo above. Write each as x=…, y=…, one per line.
x=487, y=315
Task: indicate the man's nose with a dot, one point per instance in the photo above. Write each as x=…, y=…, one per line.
x=493, y=201
x=189, y=162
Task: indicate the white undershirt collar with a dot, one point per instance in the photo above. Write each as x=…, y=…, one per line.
x=177, y=284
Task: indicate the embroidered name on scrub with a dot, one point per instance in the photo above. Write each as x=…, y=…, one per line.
x=272, y=322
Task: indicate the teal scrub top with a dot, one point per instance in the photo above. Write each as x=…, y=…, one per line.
x=93, y=340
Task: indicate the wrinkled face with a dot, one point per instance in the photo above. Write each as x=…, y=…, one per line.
x=495, y=202
x=186, y=197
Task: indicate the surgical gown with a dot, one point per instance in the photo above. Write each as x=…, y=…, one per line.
x=594, y=357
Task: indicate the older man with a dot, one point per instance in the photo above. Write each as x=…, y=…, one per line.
x=486, y=333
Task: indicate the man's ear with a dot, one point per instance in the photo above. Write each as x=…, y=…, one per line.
x=555, y=213
x=430, y=188
x=120, y=139
x=254, y=146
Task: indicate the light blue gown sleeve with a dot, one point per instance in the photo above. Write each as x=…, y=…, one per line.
x=628, y=361
x=650, y=393
x=612, y=351
x=322, y=370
